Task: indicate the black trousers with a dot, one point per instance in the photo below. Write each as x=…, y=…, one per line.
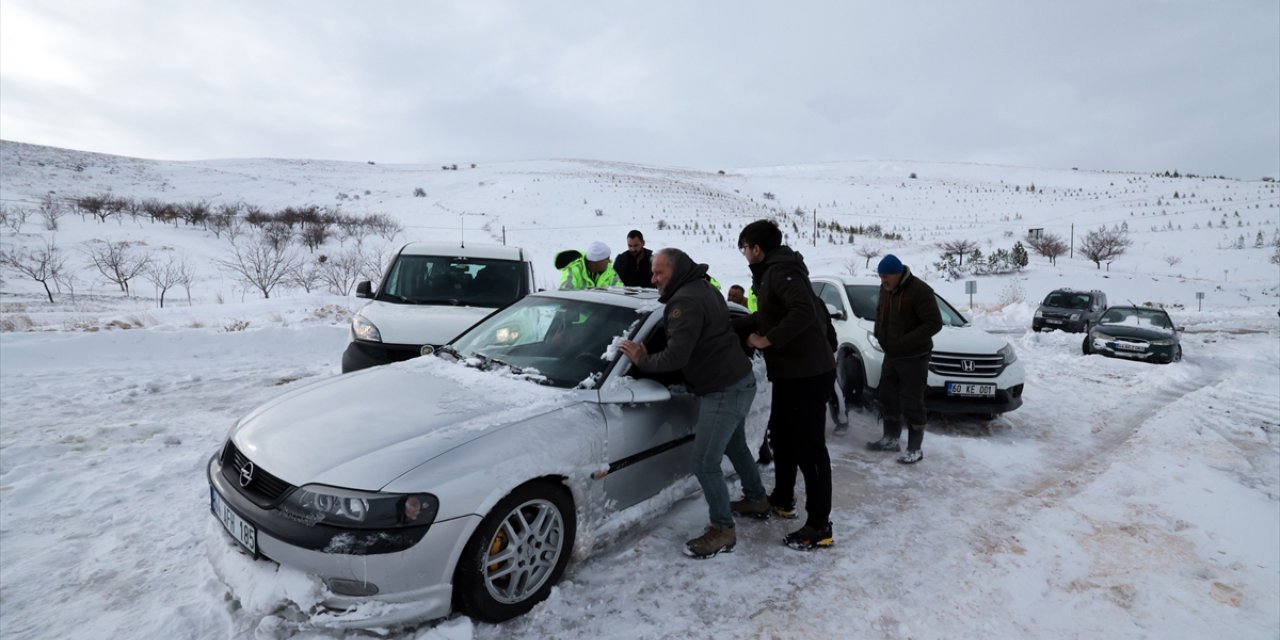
x=902, y=385
x=797, y=431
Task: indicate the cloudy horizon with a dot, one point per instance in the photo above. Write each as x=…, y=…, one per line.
x=1144, y=86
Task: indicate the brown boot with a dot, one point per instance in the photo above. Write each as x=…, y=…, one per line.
x=758, y=509
x=715, y=539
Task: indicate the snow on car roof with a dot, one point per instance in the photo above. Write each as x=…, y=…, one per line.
x=618, y=296
x=491, y=251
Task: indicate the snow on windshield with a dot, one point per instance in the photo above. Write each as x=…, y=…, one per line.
x=1144, y=318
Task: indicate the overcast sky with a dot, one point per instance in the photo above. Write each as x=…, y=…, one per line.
x=1134, y=85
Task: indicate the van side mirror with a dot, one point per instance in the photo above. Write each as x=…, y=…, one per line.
x=364, y=290
x=836, y=314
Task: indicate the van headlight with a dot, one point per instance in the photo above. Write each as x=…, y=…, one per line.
x=1075, y=316
x=362, y=329
x=1008, y=354
x=315, y=504
x=1039, y=313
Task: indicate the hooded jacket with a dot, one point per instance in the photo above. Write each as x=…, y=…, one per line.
x=907, y=318
x=701, y=343
x=789, y=315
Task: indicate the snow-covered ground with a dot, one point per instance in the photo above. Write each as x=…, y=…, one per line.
x=1122, y=500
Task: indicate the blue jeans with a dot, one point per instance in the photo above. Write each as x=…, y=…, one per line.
x=721, y=431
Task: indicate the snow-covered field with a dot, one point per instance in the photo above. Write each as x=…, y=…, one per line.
x=1122, y=500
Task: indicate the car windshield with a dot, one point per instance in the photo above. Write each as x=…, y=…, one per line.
x=865, y=297
x=475, y=282
x=564, y=341
x=1068, y=300
x=1128, y=316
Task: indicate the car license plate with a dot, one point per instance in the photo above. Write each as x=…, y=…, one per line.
x=244, y=533
x=1053, y=320
x=971, y=390
x=1130, y=346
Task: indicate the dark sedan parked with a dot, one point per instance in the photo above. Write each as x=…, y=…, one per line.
x=1135, y=333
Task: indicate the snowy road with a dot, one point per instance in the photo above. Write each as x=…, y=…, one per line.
x=1123, y=500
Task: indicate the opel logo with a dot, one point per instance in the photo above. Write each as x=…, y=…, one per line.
x=246, y=474
x=968, y=365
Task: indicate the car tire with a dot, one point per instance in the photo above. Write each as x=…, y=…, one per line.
x=1085, y=347
x=852, y=377
x=1177, y=354
x=498, y=579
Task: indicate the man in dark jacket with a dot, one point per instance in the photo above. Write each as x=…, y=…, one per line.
x=635, y=265
x=702, y=346
x=789, y=327
x=907, y=318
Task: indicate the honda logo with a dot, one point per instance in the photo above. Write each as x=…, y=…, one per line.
x=969, y=366
x=246, y=474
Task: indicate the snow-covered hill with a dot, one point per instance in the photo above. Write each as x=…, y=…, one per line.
x=1123, y=500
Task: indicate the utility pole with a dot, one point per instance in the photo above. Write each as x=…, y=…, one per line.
x=504, y=235
x=1073, y=241
x=815, y=227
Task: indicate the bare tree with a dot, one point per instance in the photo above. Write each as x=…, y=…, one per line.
x=341, y=272
x=118, y=262
x=306, y=276
x=958, y=248
x=14, y=217
x=1104, y=245
x=186, y=277
x=164, y=275
x=259, y=262
x=50, y=210
x=1172, y=260
x=314, y=235
x=867, y=251
x=42, y=264
x=374, y=261
x=383, y=225
x=1048, y=245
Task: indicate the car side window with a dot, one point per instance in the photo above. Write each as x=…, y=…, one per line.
x=829, y=295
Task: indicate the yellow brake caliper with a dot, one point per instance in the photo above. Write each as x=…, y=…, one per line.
x=499, y=543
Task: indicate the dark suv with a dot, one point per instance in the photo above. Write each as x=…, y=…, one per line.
x=1070, y=310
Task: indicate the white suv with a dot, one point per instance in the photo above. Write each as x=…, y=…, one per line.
x=970, y=370
x=429, y=295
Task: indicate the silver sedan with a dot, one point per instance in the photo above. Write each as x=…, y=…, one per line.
x=461, y=480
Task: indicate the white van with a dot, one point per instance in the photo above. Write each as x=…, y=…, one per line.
x=429, y=295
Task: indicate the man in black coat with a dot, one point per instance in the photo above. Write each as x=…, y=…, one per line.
x=635, y=265
x=789, y=328
x=907, y=318
x=703, y=347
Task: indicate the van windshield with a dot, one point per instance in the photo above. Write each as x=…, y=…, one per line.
x=472, y=282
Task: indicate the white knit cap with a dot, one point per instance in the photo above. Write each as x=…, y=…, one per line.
x=598, y=251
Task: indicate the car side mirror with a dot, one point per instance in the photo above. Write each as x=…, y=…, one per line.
x=834, y=313
x=635, y=391
x=364, y=290
x=1179, y=329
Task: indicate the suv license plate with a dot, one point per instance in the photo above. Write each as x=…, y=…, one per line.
x=244, y=533
x=1131, y=346
x=971, y=390
x=1053, y=320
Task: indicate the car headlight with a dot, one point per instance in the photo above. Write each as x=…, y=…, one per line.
x=875, y=344
x=1008, y=354
x=314, y=504
x=1075, y=316
x=1039, y=313
x=364, y=330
